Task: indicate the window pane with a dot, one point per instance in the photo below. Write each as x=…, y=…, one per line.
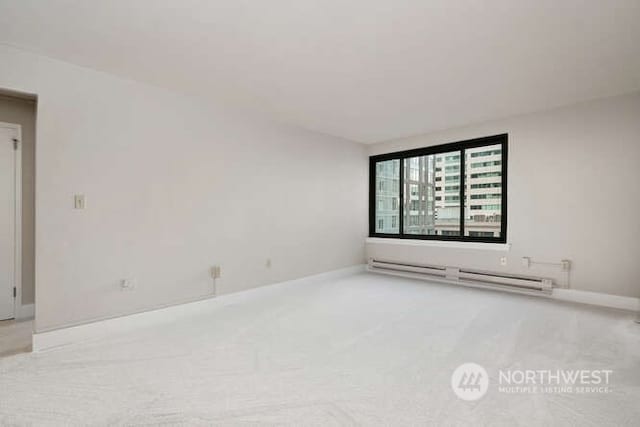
x=483, y=180
x=388, y=196
x=430, y=209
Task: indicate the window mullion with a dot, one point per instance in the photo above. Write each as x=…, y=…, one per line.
x=462, y=191
x=401, y=199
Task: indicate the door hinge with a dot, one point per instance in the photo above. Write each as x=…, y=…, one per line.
x=15, y=292
x=15, y=144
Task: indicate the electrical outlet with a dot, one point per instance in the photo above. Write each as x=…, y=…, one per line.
x=215, y=272
x=268, y=263
x=503, y=261
x=78, y=201
x=526, y=262
x=565, y=264
x=127, y=284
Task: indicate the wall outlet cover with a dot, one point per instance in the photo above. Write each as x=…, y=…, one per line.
x=127, y=284
x=79, y=201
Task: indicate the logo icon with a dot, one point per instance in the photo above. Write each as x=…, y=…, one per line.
x=470, y=381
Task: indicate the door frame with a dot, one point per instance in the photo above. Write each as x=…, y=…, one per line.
x=17, y=221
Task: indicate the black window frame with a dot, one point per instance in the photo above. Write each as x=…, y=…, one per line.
x=501, y=139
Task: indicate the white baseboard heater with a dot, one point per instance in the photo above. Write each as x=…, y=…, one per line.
x=463, y=276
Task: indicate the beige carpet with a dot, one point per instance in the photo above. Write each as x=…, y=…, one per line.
x=362, y=350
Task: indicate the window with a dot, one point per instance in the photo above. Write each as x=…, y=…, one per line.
x=485, y=153
x=485, y=207
x=485, y=164
x=487, y=185
x=463, y=198
x=486, y=196
x=485, y=174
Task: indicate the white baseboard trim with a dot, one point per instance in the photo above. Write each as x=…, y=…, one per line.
x=108, y=327
x=597, y=298
x=26, y=311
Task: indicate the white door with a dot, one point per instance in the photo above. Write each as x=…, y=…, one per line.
x=7, y=221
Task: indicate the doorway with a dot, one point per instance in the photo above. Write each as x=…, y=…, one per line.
x=17, y=220
x=10, y=219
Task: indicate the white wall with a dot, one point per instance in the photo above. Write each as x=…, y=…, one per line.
x=174, y=185
x=573, y=192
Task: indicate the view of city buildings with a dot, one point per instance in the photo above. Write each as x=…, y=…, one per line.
x=431, y=194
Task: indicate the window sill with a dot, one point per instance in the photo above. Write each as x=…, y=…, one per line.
x=440, y=244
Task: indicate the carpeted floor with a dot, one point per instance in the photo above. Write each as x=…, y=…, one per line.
x=362, y=350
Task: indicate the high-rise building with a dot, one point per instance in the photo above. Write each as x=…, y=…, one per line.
x=483, y=192
x=419, y=198
x=387, y=196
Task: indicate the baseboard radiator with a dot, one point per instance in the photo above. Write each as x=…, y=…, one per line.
x=463, y=276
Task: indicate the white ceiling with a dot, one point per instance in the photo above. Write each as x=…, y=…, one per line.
x=366, y=70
